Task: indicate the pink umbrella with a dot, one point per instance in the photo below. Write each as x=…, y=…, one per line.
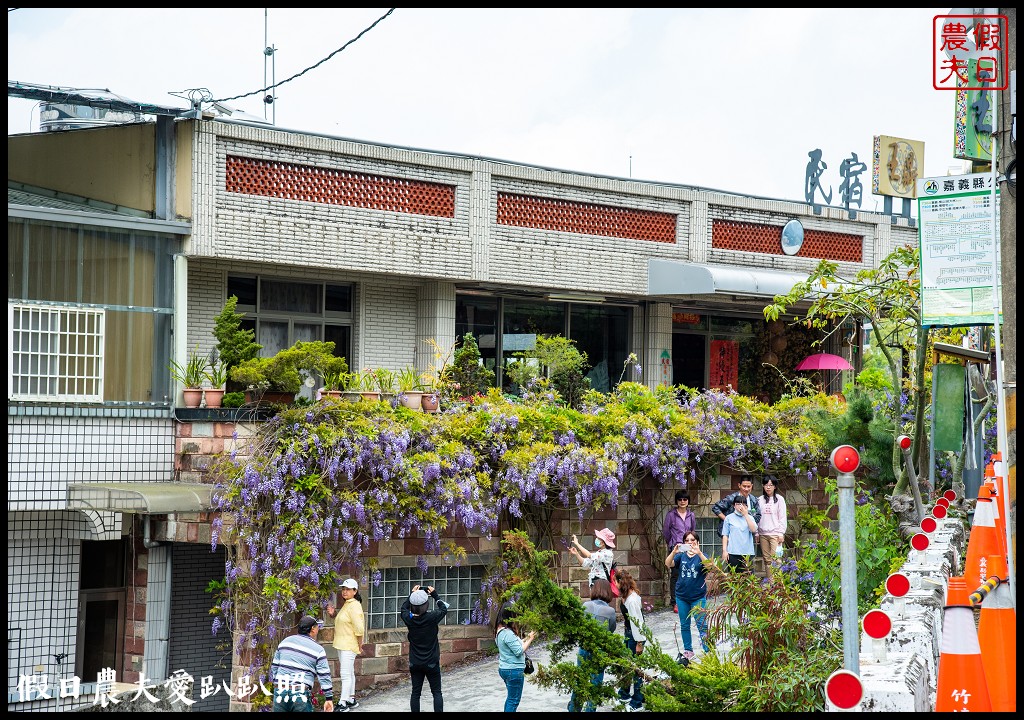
x=824, y=361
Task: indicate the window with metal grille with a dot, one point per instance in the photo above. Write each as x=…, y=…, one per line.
x=55, y=353
x=457, y=586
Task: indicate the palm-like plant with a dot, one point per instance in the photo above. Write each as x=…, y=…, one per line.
x=192, y=373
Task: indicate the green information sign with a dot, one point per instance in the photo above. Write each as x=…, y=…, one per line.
x=949, y=384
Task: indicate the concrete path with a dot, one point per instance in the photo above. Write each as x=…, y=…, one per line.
x=478, y=688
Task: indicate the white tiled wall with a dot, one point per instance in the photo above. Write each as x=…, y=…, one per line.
x=46, y=452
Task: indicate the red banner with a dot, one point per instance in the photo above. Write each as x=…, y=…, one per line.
x=725, y=364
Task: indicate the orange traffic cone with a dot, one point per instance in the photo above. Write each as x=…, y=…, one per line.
x=984, y=540
x=989, y=492
x=997, y=637
x=961, y=683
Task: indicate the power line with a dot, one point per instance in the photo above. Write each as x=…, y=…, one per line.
x=312, y=67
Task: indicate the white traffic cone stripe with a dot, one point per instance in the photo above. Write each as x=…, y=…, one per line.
x=959, y=635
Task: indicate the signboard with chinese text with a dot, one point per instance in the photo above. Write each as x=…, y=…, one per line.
x=958, y=39
x=896, y=165
x=685, y=318
x=972, y=123
x=725, y=364
x=957, y=249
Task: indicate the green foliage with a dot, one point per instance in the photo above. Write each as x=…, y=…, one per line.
x=468, y=374
x=708, y=686
x=192, y=373
x=879, y=545
x=233, y=400
x=283, y=372
x=860, y=427
x=556, y=359
x=217, y=373
x=408, y=379
x=385, y=380
x=771, y=628
x=234, y=345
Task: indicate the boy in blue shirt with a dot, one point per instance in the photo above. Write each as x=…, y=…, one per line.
x=738, y=531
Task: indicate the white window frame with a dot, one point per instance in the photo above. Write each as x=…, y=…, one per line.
x=386, y=598
x=61, y=334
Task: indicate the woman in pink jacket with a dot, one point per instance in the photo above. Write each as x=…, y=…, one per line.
x=772, y=526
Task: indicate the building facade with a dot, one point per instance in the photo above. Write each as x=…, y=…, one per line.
x=125, y=241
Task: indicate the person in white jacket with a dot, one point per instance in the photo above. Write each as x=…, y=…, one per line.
x=771, y=528
x=633, y=620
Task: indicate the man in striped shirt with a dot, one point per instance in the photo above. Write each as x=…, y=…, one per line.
x=298, y=661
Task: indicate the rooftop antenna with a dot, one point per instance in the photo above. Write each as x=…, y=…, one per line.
x=631, y=166
x=268, y=55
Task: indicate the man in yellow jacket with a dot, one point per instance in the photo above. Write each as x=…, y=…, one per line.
x=349, y=629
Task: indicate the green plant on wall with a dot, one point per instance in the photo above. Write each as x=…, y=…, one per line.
x=557, y=360
x=192, y=373
x=234, y=345
x=284, y=371
x=468, y=375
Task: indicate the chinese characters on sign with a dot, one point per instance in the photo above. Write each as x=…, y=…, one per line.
x=895, y=164
x=725, y=364
x=851, y=190
x=959, y=39
x=37, y=687
x=957, y=249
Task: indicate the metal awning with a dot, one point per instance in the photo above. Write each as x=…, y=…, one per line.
x=667, y=277
x=154, y=498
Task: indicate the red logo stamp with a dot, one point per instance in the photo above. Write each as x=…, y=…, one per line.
x=957, y=40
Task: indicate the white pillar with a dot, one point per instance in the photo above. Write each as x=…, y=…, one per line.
x=435, y=320
x=657, y=356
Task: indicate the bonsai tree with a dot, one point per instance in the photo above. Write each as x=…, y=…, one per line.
x=284, y=371
x=234, y=345
x=468, y=374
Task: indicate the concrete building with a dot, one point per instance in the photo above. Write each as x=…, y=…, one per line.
x=125, y=241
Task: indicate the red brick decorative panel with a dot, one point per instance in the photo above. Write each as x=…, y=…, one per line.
x=338, y=187
x=585, y=218
x=750, y=237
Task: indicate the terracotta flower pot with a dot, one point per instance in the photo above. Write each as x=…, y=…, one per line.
x=335, y=394
x=430, y=402
x=411, y=399
x=213, y=396
x=192, y=397
x=370, y=395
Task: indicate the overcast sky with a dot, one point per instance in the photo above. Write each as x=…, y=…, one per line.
x=724, y=99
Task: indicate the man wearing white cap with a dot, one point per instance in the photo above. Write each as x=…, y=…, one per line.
x=424, y=650
x=298, y=662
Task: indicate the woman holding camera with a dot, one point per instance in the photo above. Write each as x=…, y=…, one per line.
x=511, y=658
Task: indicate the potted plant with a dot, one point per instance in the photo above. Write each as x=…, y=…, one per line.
x=217, y=374
x=191, y=375
x=279, y=378
x=336, y=378
x=430, y=400
x=409, y=394
x=234, y=344
x=385, y=380
x=366, y=385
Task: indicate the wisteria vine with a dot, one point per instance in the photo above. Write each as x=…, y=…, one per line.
x=317, y=488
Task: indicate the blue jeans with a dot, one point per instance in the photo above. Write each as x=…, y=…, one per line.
x=637, y=698
x=696, y=609
x=514, y=681
x=287, y=702
x=595, y=679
